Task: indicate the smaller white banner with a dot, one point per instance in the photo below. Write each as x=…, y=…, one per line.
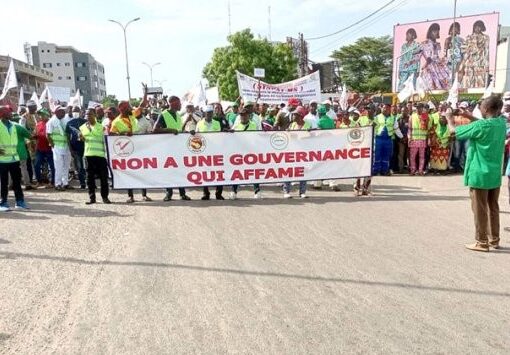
x=306, y=89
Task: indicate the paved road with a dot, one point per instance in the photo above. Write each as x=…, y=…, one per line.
x=331, y=274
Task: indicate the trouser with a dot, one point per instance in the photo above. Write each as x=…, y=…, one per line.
x=97, y=166
x=302, y=187
x=460, y=148
x=80, y=167
x=40, y=159
x=484, y=204
x=25, y=176
x=383, y=152
x=130, y=191
x=256, y=188
x=402, y=155
x=62, y=162
x=14, y=171
x=415, y=151
x=170, y=192
x=219, y=191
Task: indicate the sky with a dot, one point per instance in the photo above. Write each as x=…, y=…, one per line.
x=182, y=35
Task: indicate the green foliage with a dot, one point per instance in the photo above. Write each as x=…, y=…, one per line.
x=110, y=100
x=367, y=64
x=135, y=102
x=245, y=53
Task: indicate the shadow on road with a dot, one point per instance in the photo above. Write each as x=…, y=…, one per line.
x=13, y=255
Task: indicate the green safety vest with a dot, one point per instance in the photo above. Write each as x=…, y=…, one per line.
x=94, y=140
x=417, y=133
x=171, y=122
x=202, y=126
x=381, y=121
x=251, y=126
x=9, y=143
x=364, y=121
x=443, y=139
x=59, y=139
x=122, y=127
x=294, y=126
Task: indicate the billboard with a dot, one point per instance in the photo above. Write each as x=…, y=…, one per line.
x=438, y=50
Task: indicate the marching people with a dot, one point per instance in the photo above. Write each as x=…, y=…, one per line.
x=298, y=124
x=43, y=153
x=126, y=125
x=208, y=124
x=190, y=118
x=91, y=133
x=10, y=135
x=418, y=136
x=170, y=121
x=57, y=138
x=245, y=124
x=440, y=147
x=76, y=145
x=483, y=168
x=386, y=128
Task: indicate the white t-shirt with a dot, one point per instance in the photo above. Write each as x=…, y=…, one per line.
x=191, y=125
x=312, y=119
x=54, y=125
x=144, y=125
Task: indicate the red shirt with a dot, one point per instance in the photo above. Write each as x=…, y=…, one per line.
x=40, y=134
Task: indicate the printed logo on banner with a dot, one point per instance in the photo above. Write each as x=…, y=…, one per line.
x=123, y=147
x=356, y=136
x=196, y=143
x=279, y=140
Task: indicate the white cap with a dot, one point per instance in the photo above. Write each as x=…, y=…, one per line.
x=464, y=104
x=208, y=108
x=506, y=96
x=431, y=105
x=312, y=102
x=326, y=102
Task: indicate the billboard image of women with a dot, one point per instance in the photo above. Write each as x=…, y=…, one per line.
x=439, y=51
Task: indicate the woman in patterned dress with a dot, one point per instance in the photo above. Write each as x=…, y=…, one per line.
x=435, y=72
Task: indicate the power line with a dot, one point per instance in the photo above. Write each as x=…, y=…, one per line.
x=354, y=24
x=356, y=31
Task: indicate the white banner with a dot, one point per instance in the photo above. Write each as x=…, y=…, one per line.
x=184, y=160
x=306, y=89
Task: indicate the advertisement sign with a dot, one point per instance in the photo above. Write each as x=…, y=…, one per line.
x=438, y=50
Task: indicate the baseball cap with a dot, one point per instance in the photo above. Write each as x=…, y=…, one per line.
x=464, y=104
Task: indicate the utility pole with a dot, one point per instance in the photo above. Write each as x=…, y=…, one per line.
x=229, y=23
x=269, y=21
x=454, y=65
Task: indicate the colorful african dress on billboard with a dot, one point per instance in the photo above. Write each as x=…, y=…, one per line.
x=435, y=73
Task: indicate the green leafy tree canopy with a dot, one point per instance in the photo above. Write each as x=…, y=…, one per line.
x=110, y=100
x=366, y=65
x=244, y=53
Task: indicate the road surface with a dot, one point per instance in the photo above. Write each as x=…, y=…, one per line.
x=330, y=274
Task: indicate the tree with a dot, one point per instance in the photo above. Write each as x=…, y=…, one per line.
x=245, y=53
x=366, y=65
x=110, y=100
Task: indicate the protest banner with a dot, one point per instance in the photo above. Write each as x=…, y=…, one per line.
x=306, y=89
x=208, y=159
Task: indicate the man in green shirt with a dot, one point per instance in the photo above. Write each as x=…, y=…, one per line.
x=325, y=122
x=484, y=169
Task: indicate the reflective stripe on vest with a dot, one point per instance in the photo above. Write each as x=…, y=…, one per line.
x=381, y=121
x=94, y=140
x=9, y=143
x=122, y=127
x=171, y=122
x=59, y=137
x=203, y=126
x=417, y=133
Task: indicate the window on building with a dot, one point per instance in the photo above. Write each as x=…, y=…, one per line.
x=47, y=65
x=67, y=64
x=81, y=78
x=59, y=78
x=68, y=78
x=58, y=64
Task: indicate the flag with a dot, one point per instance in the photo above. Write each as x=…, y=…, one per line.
x=76, y=99
x=420, y=87
x=34, y=98
x=21, y=100
x=343, y=99
x=212, y=95
x=453, y=95
x=10, y=80
x=407, y=90
x=488, y=90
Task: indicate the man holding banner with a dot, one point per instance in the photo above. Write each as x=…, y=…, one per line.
x=170, y=121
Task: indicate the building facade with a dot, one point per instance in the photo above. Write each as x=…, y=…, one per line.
x=31, y=78
x=72, y=69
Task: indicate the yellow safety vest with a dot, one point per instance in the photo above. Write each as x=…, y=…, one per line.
x=171, y=122
x=9, y=143
x=122, y=127
x=203, y=126
x=381, y=121
x=94, y=140
x=417, y=133
x=251, y=126
x=294, y=126
x=364, y=121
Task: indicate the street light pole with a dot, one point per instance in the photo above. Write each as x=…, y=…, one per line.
x=150, y=68
x=124, y=27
